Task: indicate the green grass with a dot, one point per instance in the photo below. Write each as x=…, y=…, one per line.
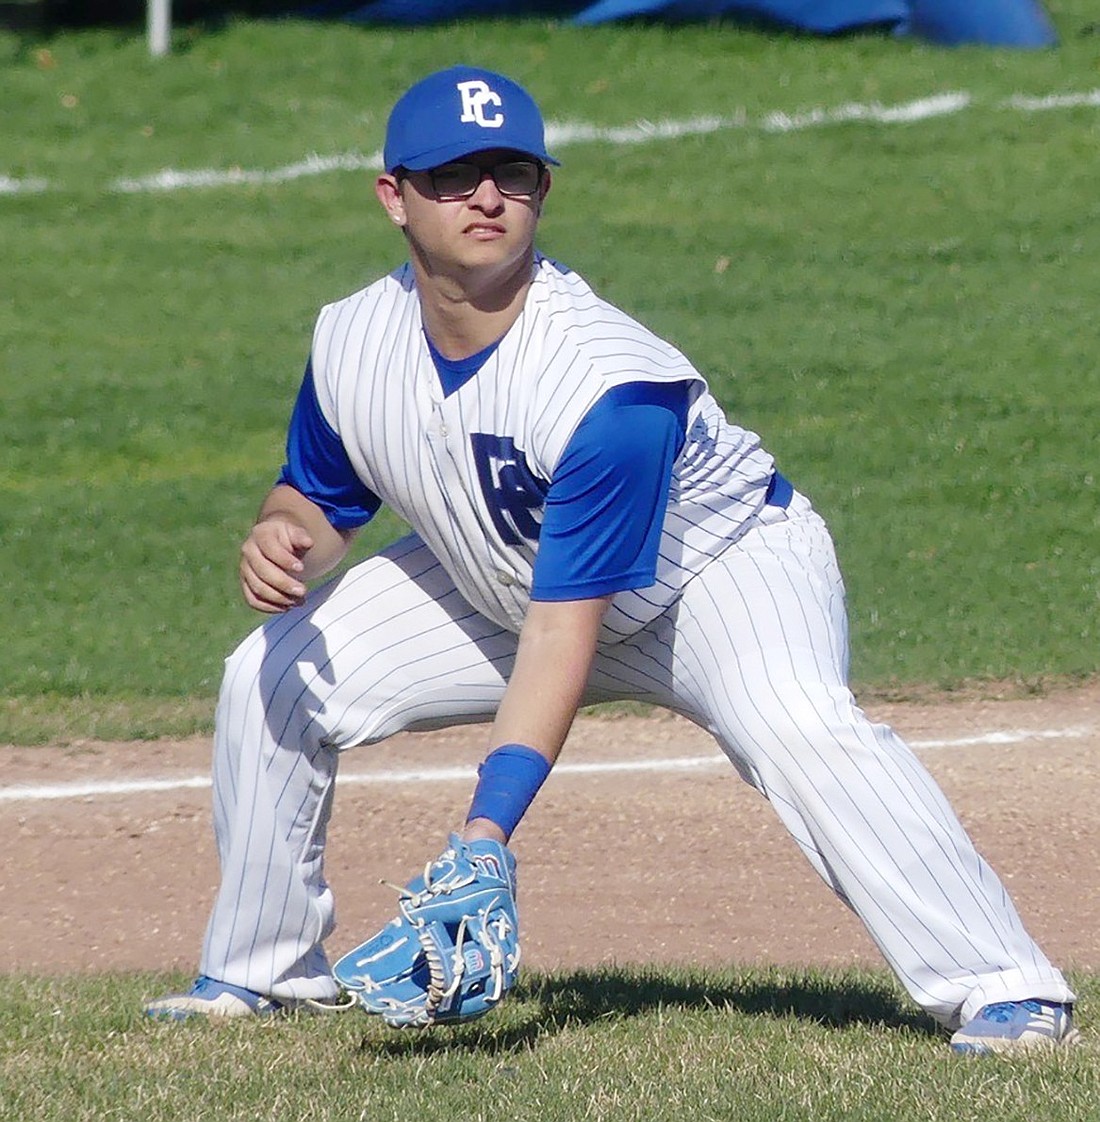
x=903, y=312
x=613, y=1044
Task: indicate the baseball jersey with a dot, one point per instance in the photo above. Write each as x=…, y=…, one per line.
x=473, y=460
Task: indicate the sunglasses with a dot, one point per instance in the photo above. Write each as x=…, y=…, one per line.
x=459, y=180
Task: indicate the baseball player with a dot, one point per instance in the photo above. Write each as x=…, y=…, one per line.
x=586, y=526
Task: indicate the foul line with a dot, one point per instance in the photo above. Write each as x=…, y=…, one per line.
x=562, y=134
x=450, y=774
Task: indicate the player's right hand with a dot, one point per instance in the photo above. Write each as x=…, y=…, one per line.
x=271, y=565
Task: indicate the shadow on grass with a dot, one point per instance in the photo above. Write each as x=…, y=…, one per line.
x=543, y=1005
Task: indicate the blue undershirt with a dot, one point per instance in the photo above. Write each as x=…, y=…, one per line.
x=603, y=509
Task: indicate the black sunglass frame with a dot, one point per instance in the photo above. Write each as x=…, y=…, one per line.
x=491, y=170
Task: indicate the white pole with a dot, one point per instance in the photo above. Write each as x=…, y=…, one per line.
x=158, y=19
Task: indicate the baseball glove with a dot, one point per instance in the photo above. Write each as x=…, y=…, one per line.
x=452, y=952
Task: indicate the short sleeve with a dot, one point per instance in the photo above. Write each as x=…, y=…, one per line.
x=606, y=503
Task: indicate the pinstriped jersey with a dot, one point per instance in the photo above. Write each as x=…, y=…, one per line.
x=469, y=470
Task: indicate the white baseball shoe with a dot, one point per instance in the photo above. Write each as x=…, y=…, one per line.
x=210, y=998
x=1016, y=1026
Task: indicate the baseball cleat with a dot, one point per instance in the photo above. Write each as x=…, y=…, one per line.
x=1016, y=1026
x=210, y=998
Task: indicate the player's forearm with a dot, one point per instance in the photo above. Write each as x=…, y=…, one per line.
x=556, y=649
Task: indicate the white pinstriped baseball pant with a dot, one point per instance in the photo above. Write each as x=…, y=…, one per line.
x=755, y=651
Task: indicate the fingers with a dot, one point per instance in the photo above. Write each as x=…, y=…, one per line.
x=271, y=565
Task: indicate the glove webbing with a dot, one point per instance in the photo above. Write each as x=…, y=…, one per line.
x=441, y=991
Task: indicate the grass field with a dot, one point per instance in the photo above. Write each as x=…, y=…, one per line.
x=617, y=1044
x=896, y=296
x=899, y=306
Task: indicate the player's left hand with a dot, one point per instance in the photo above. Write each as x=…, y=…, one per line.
x=452, y=952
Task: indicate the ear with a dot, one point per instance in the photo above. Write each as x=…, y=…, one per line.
x=388, y=192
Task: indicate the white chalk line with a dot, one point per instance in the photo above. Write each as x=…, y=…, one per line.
x=561, y=134
x=103, y=788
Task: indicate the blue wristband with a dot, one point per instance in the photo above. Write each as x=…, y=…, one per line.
x=508, y=782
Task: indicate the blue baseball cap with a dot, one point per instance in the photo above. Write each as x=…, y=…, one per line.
x=455, y=112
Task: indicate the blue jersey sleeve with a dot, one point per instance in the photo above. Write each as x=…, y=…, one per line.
x=606, y=504
x=318, y=465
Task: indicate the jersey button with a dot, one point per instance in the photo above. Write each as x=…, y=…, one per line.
x=505, y=578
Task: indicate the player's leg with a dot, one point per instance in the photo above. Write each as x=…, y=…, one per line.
x=756, y=651
x=388, y=646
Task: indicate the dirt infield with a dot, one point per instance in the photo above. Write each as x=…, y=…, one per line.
x=672, y=860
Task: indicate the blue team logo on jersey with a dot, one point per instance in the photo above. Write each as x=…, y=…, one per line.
x=512, y=493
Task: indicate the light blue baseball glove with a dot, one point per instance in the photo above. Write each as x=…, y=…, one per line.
x=452, y=952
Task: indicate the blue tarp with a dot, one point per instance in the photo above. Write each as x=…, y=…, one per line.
x=820, y=18
x=1006, y=23
x=998, y=23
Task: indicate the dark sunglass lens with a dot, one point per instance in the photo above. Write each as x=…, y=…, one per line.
x=455, y=179
x=519, y=177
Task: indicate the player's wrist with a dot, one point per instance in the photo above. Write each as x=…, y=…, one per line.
x=508, y=781
x=483, y=829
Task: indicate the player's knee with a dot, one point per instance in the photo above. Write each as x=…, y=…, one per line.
x=820, y=719
x=266, y=671
x=264, y=685
x=242, y=669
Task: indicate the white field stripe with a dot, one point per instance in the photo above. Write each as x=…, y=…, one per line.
x=921, y=110
x=467, y=774
x=9, y=186
x=562, y=134
x=170, y=180
x=1053, y=101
